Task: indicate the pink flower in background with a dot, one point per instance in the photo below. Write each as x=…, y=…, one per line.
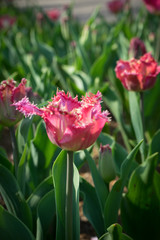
x=71, y=124
x=137, y=48
x=116, y=6
x=6, y=21
x=9, y=93
x=138, y=74
x=53, y=14
x=152, y=6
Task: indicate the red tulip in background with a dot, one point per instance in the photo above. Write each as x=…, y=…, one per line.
x=71, y=124
x=153, y=6
x=137, y=48
x=6, y=21
x=116, y=6
x=9, y=93
x=53, y=14
x=138, y=74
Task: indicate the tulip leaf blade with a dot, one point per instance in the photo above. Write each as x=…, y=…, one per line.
x=46, y=212
x=102, y=192
x=90, y=202
x=154, y=146
x=141, y=202
x=42, y=153
x=114, y=198
x=12, y=228
x=115, y=232
x=5, y=162
x=23, y=133
x=21, y=170
x=136, y=120
x=13, y=197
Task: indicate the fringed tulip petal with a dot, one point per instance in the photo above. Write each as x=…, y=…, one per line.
x=138, y=74
x=71, y=124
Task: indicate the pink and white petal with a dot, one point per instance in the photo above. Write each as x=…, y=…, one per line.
x=27, y=108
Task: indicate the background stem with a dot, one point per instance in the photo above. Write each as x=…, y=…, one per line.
x=15, y=149
x=69, y=195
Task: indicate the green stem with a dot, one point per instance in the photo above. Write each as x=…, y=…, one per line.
x=69, y=196
x=15, y=149
x=143, y=120
x=157, y=50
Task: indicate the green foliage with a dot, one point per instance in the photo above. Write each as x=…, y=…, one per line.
x=140, y=209
x=9, y=225
x=59, y=180
x=115, y=233
x=80, y=57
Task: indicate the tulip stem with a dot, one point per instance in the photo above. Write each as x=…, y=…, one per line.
x=69, y=196
x=142, y=116
x=15, y=149
x=157, y=50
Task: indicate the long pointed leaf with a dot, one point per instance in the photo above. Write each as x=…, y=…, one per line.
x=115, y=196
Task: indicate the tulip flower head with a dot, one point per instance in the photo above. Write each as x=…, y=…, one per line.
x=52, y=14
x=138, y=74
x=70, y=124
x=9, y=93
x=137, y=48
x=152, y=6
x=115, y=6
x=6, y=21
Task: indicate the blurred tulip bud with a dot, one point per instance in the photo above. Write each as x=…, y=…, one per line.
x=106, y=164
x=137, y=48
x=8, y=94
x=153, y=6
x=6, y=21
x=115, y=6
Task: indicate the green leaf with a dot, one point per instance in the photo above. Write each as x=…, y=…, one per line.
x=43, y=188
x=91, y=207
x=23, y=133
x=115, y=233
x=81, y=51
x=136, y=120
x=22, y=170
x=114, y=198
x=140, y=209
x=100, y=187
x=13, y=197
x=6, y=163
x=100, y=65
x=59, y=179
x=12, y=228
x=42, y=153
x=46, y=213
x=154, y=146
x=114, y=103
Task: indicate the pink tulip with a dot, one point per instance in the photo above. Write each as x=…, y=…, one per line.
x=116, y=6
x=138, y=74
x=71, y=124
x=153, y=6
x=6, y=21
x=9, y=93
x=52, y=14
